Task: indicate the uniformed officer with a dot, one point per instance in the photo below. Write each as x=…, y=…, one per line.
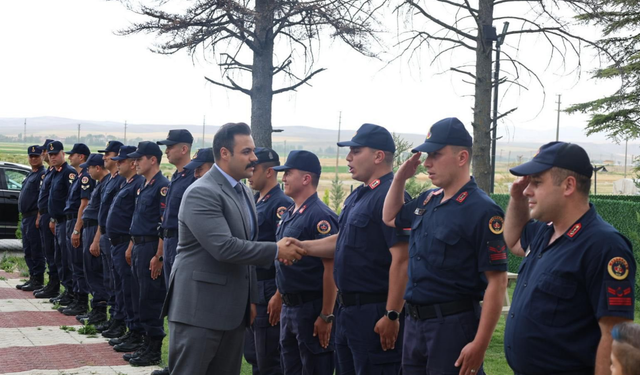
x=47, y=238
x=28, y=207
x=307, y=287
x=262, y=339
x=61, y=181
x=576, y=280
x=201, y=162
x=457, y=257
x=77, y=200
x=370, y=262
x=145, y=252
x=111, y=282
x=178, y=151
x=118, y=225
x=93, y=265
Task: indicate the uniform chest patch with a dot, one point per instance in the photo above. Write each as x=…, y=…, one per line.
x=497, y=252
x=323, y=227
x=419, y=211
x=163, y=191
x=496, y=224
x=618, y=268
x=280, y=211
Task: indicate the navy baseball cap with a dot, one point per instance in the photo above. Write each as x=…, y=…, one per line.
x=54, y=147
x=370, y=135
x=124, y=152
x=79, y=148
x=112, y=146
x=266, y=155
x=177, y=136
x=203, y=155
x=446, y=132
x=147, y=148
x=46, y=143
x=302, y=160
x=93, y=159
x=557, y=154
x=34, y=150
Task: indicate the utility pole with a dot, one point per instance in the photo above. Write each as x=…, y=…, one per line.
x=125, y=132
x=24, y=135
x=558, y=122
x=78, y=133
x=204, y=119
x=496, y=80
x=626, y=142
x=338, y=148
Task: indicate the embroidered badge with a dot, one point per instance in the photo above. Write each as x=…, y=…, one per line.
x=107, y=145
x=497, y=252
x=323, y=227
x=462, y=197
x=72, y=176
x=152, y=181
x=574, y=230
x=51, y=146
x=618, y=268
x=374, y=184
x=496, y=224
x=85, y=180
x=427, y=199
x=301, y=210
x=195, y=155
x=33, y=149
x=429, y=134
x=42, y=177
x=266, y=197
x=438, y=192
x=84, y=187
x=280, y=211
x=619, y=296
x=163, y=191
x=419, y=211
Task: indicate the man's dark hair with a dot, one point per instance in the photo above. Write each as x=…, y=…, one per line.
x=315, y=178
x=463, y=148
x=583, y=183
x=270, y=164
x=225, y=137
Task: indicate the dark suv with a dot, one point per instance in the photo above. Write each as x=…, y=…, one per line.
x=11, y=177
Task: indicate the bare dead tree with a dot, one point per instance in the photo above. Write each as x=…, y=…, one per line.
x=240, y=28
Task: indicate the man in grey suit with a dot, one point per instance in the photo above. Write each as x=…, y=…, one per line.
x=213, y=281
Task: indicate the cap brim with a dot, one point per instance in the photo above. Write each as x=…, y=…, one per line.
x=134, y=155
x=34, y=154
x=194, y=164
x=167, y=142
x=349, y=144
x=116, y=158
x=529, y=168
x=280, y=168
x=102, y=151
x=53, y=152
x=84, y=165
x=429, y=147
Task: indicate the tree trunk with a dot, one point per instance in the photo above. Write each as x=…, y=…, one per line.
x=482, y=101
x=262, y=75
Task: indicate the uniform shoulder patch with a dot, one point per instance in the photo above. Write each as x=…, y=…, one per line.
x=163, y=191
x=618, y=268
x=85, y=180
x=280, y=211
x=497, y=252
x=323, y=227
x=72, y=176
x=619, y=295
x=496, y=224
x=42, y=177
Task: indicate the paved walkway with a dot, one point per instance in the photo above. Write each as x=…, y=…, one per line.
x=31, y=341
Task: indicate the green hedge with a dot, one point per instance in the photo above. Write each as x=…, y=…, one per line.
x=624, y=215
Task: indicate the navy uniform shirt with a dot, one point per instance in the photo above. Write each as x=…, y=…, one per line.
x=91, y=211
x=313, y=220
x=61, y=182
x=109, y=191
x=150, y=202
x=81, y=188
x=362, y=257
x=563, y=290
x=270, y=210
x=121, y=210
x=28, y=200
x=452, y=244
x=180, y=181
x=45, y=187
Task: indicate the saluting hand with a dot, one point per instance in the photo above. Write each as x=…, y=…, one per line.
x=409, y=167
x=388, y=330
x=518, y=187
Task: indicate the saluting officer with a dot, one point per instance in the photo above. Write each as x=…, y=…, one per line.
x=118, y=225
x=307, y=287
x=577, y=278
x=52, y=289
x=28, y=207
x=146, y=253
x=262, y=339
x=201, y=162
x=77, y=200
x=457, y=257
x=61, y=181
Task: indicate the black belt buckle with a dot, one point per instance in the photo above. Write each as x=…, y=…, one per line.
x=340, y=299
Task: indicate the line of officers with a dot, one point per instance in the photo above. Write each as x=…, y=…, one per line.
x=392, y=284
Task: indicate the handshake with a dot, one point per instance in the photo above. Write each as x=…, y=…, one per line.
x=290, y=250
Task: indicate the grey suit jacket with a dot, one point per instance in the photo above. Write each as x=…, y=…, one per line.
x=212, y=275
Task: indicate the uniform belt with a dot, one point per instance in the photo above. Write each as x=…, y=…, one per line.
x=137, y=240
x=353, y=299
x=60, y=219
x=44, y=211
x=268, y=274
x=29, y=214
x=296, y=299
x=71, y=216
x=103, y=229
x=89, y=223
x=117, y=240
x=423, y=312
x=168, y=233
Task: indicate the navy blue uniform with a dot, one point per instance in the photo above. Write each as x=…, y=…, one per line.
x=28, y=207
x=301, y=287
x=452, y=244
x=262, y=340
x=80, y=189
x=61, y=182
x=47, y=238
x=109, y=191
x=93, y=271
x=563, y=289
x=149, y=295
x=118, y=225
x=361, y=272
x=180, y=181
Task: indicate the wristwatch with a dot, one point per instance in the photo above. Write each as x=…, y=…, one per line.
x=393, y=315
x=327, y=318
x=76, y=232
x=160, y=258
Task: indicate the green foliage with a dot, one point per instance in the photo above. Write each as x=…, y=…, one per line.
x=337, y=195
x=19, y=230
x=13, y=263
x=88, y=329
x=325, y=198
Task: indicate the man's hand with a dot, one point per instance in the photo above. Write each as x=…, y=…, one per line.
x=409, y=167
x=52, y=227
x=155, y=266
x=94, y=249
x=290, y=249
x=388, y=330
x=253, y=313
x=38, y=221
x=517, y=188
x=127, y=255
x=470, y=359
x=75, y=240
x=322, y=330
x=274, y=308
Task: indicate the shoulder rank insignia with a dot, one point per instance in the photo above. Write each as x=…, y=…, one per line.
x=301, y=210
x=266, y=197
x=85, y=180
x=618, y=268
x=374, y=184
x=152, y=181
x=574, y=230
x=497, y=252
x=496, y=224
x=619, y=296
x=280, y=211
x=323, y=227
x=462, y=197
x=438, y=192
x=163, y=191
x=427, y=199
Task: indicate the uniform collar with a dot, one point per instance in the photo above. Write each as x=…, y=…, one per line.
x=379, y=181
x=579, y=226
x=461, y=195
x=274, y=190
x=63, y=166
x=305, y=206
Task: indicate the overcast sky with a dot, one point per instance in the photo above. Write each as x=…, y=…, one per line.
x=62, y=58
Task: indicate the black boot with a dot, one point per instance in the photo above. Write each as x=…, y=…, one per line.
x=119, y=340
x=98, y=315
x=80, y=307
x=26, y=283
x=82, y=317
x=133, y=343
x=104, y=325
x=152, y=356
x=72, y=297
x=37, y=282
x=58, y=297
x=116, y=329
x=164, y=371
x=51, y=290
x=145, y=345
x=67, y=298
